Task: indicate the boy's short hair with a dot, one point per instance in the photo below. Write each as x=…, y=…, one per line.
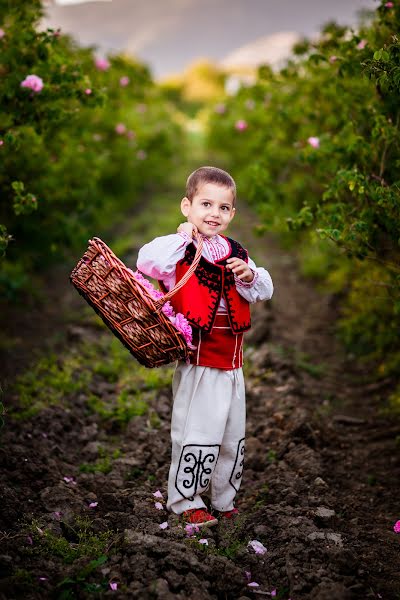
x=209, y=175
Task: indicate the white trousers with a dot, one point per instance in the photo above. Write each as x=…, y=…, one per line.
x=208, y=437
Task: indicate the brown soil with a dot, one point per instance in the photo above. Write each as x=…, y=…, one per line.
x=320, y=487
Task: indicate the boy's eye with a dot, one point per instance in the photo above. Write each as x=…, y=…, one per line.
x=206, y=204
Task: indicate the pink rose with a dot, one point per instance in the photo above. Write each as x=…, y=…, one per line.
x=124, y=81
x=241, y=125
x=88, y=91
x=33, y=82
x=102, y=64
x=120, y=128
x=361, y=45
x=332, y=58
x=389, y=4
x=220, y=108
x=183, y=326
x=313, y=141
x=396, y=527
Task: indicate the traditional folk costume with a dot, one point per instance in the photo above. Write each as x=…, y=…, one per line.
x=209, y=411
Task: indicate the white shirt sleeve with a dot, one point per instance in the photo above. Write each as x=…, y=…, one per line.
x=158, y=258
x=261, y=288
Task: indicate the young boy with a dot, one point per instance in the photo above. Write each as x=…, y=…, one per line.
x=208, y=416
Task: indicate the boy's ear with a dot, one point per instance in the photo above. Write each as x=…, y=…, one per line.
x=185, y=206
x=232, y=214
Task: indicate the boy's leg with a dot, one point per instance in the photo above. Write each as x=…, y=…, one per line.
x=202, y=397
x=227, y=475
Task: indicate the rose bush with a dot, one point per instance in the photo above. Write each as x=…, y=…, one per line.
x=319, y=159
x=81, y=138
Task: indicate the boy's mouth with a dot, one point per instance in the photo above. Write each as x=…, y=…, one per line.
x=212, y=223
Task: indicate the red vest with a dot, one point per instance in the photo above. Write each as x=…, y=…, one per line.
x=199, y=298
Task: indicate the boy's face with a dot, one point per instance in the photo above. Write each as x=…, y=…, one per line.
x=211, y=209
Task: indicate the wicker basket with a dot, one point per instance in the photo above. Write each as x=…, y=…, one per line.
x=127, y=308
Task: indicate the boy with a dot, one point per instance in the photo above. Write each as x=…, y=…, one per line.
x=208, y=416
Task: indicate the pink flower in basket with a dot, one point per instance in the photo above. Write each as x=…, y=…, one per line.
x=178, y=320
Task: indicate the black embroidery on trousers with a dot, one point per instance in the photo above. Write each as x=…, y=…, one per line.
x=237, y=471
x=196, y=464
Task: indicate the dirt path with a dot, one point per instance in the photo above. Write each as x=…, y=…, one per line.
x=319, y=489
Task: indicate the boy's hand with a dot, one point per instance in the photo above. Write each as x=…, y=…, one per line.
x=188, y=228
x=240, y=268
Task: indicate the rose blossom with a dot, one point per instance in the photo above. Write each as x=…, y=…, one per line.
x=313, y=141
x=124, y=81
x=102, y=64
x=361, y=45
x=33, y=82
x=120, y=128
x=241, y=125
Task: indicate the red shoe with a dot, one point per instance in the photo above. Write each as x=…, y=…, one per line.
x=199, y=517
x=229, y=514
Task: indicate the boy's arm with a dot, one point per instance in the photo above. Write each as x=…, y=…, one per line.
x=158, y=258
x=260, y=288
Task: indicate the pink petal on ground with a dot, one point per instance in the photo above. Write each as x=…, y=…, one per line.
x=157, y=494
x=203, y=541
x=273, y=592
x=113, y=585
x=57, y=514
x=396, y=527
x=247, y=575
x=43, y=578
x=164, y=525
x=158, y=505
x=257, y=546
x=253, y=584
x=191, y=529
x=29, y=539
x=93, y=504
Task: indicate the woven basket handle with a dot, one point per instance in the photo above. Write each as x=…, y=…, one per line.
x=187, y=275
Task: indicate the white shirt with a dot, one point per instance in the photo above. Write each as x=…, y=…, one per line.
x=158, y=259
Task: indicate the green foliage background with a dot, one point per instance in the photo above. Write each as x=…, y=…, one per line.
x=65, y=171
x=335, y=198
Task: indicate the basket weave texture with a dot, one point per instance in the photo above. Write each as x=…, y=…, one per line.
x=127, y=308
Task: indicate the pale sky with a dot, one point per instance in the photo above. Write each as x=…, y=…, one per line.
x=169, y=34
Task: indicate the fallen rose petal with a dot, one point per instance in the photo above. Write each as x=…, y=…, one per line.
x=164, y=525
x=43, y=578
x=158, y=494
x=68, y=479
x=253, y=584
x=396, y=527
x=191, y=529
x=113, y=585
x=203, y=541
x=158, y=505
x=29, y=539
x=257, y=546
x=57, y=514
x=93, y=504
x=273, y=592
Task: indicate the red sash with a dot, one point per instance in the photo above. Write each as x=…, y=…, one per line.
x=221, y=348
